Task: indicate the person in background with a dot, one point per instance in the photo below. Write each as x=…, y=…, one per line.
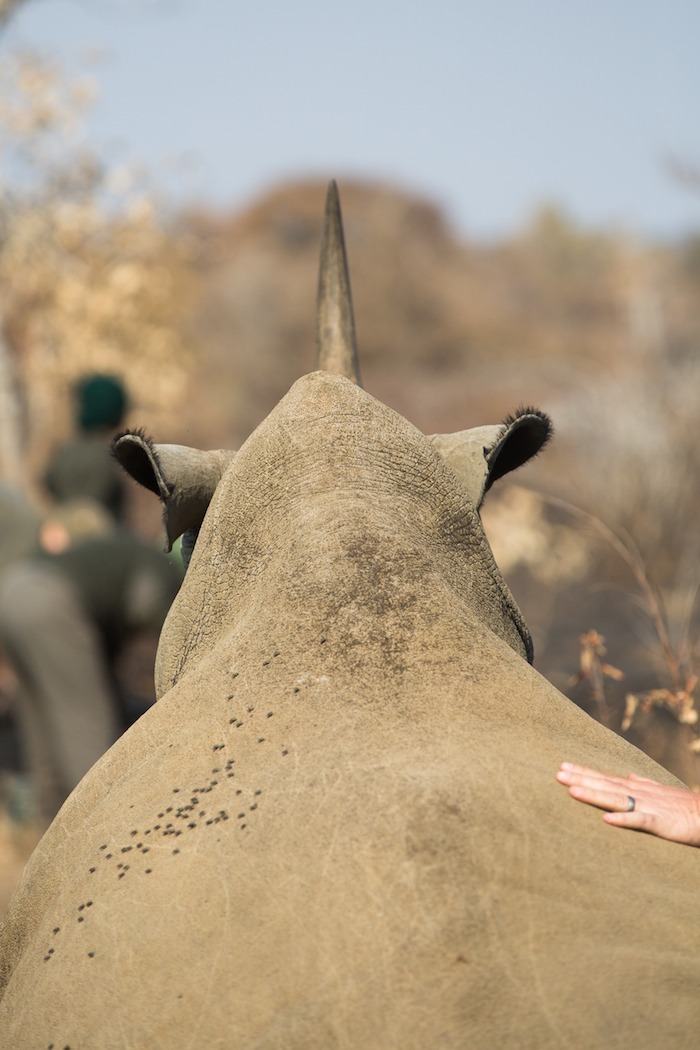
x=19, y=537
x=84, y=468
x=19, y=525
x=70, y=606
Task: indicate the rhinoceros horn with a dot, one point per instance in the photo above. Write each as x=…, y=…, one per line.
x=482, y=455
x=184, y=478
x=336, y=349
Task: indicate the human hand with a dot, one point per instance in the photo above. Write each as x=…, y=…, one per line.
x=669, y=812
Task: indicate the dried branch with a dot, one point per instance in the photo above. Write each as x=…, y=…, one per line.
x=680, y=698
x=628, y=551
x=591, y=668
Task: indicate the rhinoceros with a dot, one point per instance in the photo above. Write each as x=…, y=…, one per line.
x=338, y=828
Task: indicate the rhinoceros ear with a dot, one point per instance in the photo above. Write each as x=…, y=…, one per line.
x=184, y=478
x=482, y=455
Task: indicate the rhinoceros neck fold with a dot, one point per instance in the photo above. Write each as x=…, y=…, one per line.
x=339, y=515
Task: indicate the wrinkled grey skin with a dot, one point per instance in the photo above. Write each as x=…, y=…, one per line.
x=339, y=828
x=373, y=852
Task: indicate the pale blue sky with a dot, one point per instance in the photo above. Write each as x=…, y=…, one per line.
x=489, y=107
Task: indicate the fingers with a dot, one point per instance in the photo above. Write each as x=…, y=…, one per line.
x=650, y=792
x=600, y=797
x=605, y=792
x=591, y=779
x=575, y=773
x=636, y=819
x=571, y=767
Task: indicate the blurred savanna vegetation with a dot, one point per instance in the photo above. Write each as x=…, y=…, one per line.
x=90, y=278
x=208, y=315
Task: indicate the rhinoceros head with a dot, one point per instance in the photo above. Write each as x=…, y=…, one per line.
x=332, y=489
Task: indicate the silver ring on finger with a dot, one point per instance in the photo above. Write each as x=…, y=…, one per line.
x=630, y=803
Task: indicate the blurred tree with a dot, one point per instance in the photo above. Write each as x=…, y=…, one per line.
x=90, y=277
x=9, y=412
